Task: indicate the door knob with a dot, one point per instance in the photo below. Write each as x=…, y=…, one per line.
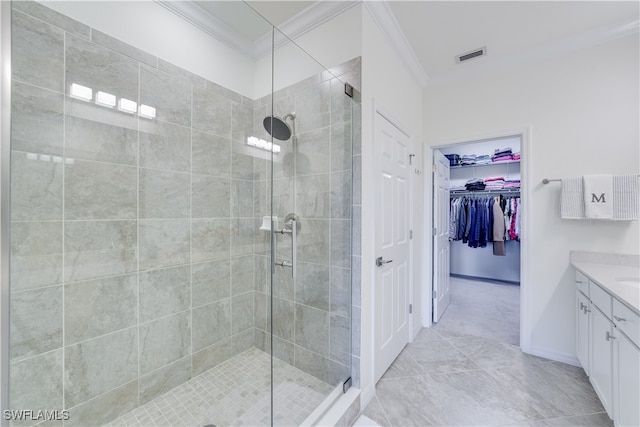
x=380, y=262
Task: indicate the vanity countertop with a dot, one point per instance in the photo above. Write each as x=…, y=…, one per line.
x=617, y=274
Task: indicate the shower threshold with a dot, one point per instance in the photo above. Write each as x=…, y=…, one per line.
x=236, y=392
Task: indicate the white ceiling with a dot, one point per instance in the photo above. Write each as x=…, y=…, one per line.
x=428, y=34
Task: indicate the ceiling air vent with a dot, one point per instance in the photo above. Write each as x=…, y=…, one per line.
x=470, y=55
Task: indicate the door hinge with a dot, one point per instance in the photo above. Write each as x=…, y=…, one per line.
x=410, y=308
x=435, y=294
x=435, y=167
x=435, y=231
x=410, y=234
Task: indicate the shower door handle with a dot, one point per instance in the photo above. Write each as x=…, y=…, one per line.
x=294, y=243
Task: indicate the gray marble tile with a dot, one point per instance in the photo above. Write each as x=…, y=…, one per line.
x=211, y=112
x=284, y=163
x=341, y=243
x=242, y=341
x=356, y=285
x=221, y=90
x=170, y=95
x=52, y=17
x=164, y=292
x=375, y=412
x=242, y=157
x=283, y=319
x=211, y=154
x=37, y=120
x=261, y=304
x=262, y=341
x=262, y=273
x=313, y=196
x=243, y=231
x=242, y=272
x=165, y=146
x=553, y=389
x=357, y=180
x=164, y=341
x=93, y=132
x=356, y=130
x=210, y=239
x=126, y=49
x=36, y=383
x=341, y=200
x=241, y=122
x=312, y=363
x=403, y=366
x=340, y=284
x=313, y=241
x=36, y=187
x=312, y=329
x=241, y=199
x=97, y=307
x=168, y=67
x=164, y=379
x=439, y=356
x=600, y=419
x=242, y=309
x=99, y=249
x=285, y=350
x=340, y=339
x=211, y=324
x=427, y=334
x=211, y=356
x=96, y=366
x=341, y=147
x=488, y=353
x=210, y=282
x=99, y=68
x=283, y=198
x=163, y=243
x=282, y=283
x=99, y=191
x=313, y=107
x=38, y=52
x=340, y=102
x=36, y=254
x=313, y=285
x=163, y=194
x=211, y=197
x=106, y=407
x=313, y=154
x=36, y=321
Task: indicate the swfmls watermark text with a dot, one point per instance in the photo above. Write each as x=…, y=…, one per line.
x=39, y=415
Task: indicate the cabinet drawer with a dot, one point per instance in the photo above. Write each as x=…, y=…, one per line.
x=627, y=321
x=582, y=283
x=600, y=298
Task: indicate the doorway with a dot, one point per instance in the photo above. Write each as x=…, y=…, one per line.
x=481, y=219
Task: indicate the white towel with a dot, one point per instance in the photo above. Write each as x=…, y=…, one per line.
x=598, y=196
x=572, y=198
x=625, y=197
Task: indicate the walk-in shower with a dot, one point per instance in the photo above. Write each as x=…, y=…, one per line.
x=145, y=287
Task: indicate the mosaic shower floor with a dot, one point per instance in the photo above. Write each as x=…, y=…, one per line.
x=235, y=393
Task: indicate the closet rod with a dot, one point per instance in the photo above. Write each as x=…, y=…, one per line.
x=506, y=191
x=547, y=180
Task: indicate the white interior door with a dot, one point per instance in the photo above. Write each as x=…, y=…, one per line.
x=392, y=244
x=441, y=244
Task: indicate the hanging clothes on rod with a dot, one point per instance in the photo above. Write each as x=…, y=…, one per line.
x=480, y=219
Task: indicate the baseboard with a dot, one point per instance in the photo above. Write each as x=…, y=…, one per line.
x=569, y=359
x=485, y=279
x=367, y=396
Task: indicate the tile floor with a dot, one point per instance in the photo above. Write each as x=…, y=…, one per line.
x=235, y=393
x=465, y=372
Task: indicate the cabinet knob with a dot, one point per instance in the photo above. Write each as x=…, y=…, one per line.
x=608, y=336
x=582, y=306
x=586, y=310
x=619, y=319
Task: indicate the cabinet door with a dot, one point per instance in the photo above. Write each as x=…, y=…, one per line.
x=583, y=316
x=602, y=357
x=626, y=382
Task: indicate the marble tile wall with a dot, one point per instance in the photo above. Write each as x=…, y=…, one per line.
x=312, y=316
x=132, y=252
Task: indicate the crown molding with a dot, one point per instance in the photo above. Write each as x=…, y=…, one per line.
x=383, y=17
x=304, y=21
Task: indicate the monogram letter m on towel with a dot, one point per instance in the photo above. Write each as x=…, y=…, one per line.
x=598, y=196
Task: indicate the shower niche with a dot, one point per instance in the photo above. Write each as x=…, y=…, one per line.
x=150, y=219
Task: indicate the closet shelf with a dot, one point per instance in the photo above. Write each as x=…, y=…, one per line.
x=506, y=162
x=509, y=191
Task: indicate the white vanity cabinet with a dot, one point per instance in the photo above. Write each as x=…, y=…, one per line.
x=607, y=346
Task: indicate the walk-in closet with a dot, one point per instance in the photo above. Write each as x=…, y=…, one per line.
x=484, y=239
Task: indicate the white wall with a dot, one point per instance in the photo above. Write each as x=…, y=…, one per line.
x=582, y=110
x=145, y=24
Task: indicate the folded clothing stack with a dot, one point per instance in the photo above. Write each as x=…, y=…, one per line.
x=516, y=156
x=454, y=159
x=475, y=184
x=468, y=159
x=502, y=154
x=494, y=183
x=512, y=183
x=483, y=160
